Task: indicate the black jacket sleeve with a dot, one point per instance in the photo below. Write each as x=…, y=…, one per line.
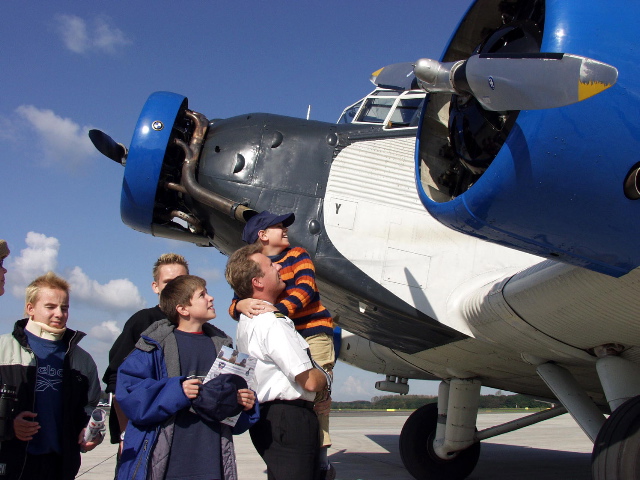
x=126, y=342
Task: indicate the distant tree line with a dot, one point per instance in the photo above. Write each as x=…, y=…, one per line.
x=412, y=402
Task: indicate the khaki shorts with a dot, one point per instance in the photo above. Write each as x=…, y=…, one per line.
x=321, y=348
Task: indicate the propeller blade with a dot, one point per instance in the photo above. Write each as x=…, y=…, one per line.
x=503, y=82
x=398, y=76
x=108, y=146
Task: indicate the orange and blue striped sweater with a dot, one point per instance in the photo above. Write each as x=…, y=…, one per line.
x=300, y=300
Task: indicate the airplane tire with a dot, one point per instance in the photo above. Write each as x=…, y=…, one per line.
x=616, y=451
x=416, y=449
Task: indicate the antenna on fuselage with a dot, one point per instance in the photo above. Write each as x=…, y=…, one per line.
x=308, y=112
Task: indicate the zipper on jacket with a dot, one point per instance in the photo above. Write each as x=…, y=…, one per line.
x=71, y=344
x=143, y=457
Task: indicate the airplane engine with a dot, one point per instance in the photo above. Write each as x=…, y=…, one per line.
x=554, y=182
x=192, y=179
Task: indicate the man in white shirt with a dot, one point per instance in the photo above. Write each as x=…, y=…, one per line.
x=286, y=436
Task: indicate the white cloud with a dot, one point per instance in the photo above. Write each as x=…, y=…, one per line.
x=211, y=275
x=40, y=256
x=79, y=37
x=105, y=332
x=119, y=295
x=107, y=38
x=63, y=141
x=352, y=387
x=74, y=32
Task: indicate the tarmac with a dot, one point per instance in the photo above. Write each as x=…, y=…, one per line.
x=365, y=447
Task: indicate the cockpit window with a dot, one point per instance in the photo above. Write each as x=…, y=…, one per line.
x=375, y=110
x=389, y=108
x=405, y=112
x=349, y=113
x=384, y=93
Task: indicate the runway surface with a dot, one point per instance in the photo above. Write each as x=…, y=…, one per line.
x=365, y=447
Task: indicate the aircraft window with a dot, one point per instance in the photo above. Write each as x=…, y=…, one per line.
x=349, y=113
x=375, y=110
x=405, y=112
x=385, y=93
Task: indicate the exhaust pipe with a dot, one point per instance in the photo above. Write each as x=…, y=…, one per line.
x=192, y=151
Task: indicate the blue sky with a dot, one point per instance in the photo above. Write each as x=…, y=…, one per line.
x=69, y=66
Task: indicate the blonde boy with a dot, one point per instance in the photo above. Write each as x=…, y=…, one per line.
x=57, y=388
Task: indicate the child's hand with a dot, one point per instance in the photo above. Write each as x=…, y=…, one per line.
x=246, y=398
x=191, y=387
x=252, y=307
x=24, y=426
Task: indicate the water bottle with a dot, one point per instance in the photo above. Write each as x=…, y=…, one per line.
x=96, y=425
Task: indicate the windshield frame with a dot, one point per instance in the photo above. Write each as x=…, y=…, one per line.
x=383, y=99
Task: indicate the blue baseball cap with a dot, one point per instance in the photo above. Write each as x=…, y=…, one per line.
x=262, y=221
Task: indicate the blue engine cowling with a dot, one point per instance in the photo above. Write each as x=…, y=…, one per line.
x=555, y=188
x=151, y=138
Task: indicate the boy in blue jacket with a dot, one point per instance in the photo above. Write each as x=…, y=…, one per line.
x=174, y=428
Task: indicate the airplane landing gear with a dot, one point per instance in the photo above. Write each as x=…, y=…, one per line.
x=440, y=441
x=615, y=451
x=417, y=453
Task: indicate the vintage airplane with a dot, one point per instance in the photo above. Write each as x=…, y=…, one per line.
x=470, y=221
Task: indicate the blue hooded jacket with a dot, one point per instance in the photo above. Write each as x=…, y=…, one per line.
x=149, y=391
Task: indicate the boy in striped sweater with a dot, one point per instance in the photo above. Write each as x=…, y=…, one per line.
x=300, y=301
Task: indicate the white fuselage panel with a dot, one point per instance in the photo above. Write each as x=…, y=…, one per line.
x=375, y=219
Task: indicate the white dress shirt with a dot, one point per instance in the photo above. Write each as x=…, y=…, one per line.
x=281, y=352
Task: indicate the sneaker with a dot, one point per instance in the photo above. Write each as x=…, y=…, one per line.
x=328, y=473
